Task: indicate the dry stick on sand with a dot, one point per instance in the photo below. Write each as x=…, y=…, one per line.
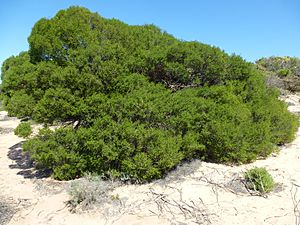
x=296, y=203
x=190, y=211
x=217, y=185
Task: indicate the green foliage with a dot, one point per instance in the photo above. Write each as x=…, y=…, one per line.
x=56, y=104
x=56, y=151
x=283, y=72
x=126, y=148
x=142, y=100
x=20, y=104
x=23, y=130
x=1, y=105
x=259, y=179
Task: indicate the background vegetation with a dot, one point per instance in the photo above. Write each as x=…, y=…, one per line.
x=138, y=100
x=280, y=66
x=282, y=72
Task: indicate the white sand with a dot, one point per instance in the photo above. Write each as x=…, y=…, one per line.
x=196, y=193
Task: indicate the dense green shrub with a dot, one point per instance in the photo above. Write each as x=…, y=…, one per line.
x=259, y=179
x=20, y=104
x=23, y=130
x=140, y=100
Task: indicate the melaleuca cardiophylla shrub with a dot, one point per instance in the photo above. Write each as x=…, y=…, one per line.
x=143, y=100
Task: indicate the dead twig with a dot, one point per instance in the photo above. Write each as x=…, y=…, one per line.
x=190, y=211
x=296, y=203
x=214, y=184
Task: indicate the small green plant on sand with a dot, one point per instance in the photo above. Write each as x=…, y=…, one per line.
x=259, y=179
x=23, y=130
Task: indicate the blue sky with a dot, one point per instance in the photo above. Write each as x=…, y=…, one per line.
x=250, y=28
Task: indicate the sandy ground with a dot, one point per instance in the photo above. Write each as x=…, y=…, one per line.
x=195, y=193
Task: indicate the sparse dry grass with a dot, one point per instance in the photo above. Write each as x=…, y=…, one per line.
x=5, y=130
x=90, y=191
x=6, y=212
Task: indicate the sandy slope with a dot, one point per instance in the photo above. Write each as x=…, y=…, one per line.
x=196, y=193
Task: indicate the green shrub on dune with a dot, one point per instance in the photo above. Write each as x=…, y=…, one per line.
x=259, y=179
x=142, y=101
